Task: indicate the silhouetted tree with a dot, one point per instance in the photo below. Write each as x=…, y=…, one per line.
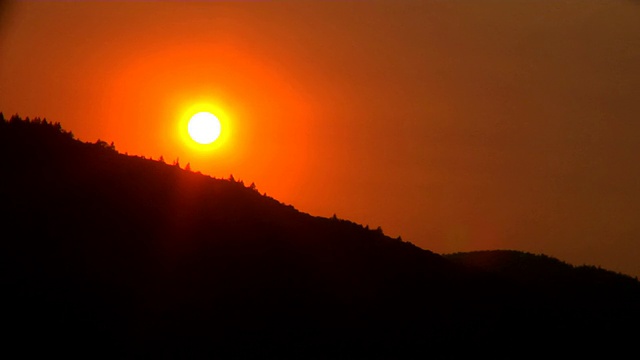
x=103, y=144
x=188, y=167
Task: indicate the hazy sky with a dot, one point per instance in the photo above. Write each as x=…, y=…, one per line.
x=459, y=125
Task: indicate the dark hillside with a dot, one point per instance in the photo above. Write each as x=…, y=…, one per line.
x=537, y=269
x=104, y=254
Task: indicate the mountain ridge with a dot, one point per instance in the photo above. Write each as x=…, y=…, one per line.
x=134, y=249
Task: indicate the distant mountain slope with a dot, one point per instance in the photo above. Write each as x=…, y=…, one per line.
x=123, y=256
x=535, y=268
x=549, y=277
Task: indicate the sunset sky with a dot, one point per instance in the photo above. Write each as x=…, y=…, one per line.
x=458, y=125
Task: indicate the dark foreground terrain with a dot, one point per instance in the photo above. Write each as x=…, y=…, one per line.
x=115, y=256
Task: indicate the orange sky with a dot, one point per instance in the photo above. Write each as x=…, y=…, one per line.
x=459, y=125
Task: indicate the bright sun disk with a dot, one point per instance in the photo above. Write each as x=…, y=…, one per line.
x=204, y=128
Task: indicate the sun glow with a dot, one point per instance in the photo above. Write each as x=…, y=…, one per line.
x=204, y=128
x=203, y=132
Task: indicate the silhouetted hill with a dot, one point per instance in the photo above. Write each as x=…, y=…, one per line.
x=535, y=269
x=108, y=255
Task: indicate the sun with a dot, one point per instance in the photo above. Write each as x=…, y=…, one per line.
x=204, y=128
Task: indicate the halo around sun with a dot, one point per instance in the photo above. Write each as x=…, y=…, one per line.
x=204, y=128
